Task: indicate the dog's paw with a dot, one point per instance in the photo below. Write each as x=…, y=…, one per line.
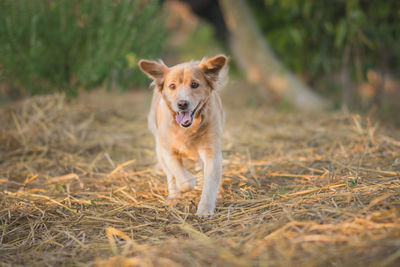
x=204, y=210
x=187, y=185
x=173, y=199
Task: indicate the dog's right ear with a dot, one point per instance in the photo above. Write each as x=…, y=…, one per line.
x=154, y=70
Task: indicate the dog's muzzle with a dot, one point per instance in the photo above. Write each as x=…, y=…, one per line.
x=185, y=117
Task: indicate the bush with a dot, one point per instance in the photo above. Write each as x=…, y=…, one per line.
x=68, y=44
x=312, y=37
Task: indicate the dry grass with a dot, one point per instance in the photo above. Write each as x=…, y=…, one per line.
x=78, y=189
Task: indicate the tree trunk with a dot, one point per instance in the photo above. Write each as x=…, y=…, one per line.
x=255, y=57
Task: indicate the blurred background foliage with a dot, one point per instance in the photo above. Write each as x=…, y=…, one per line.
x=337, y=46
x=70, y=44
x=347, y=50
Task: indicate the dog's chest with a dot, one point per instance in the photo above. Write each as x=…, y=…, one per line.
x=186, y=153
x=185, y=148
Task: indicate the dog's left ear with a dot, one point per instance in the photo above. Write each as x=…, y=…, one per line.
x=211, y=67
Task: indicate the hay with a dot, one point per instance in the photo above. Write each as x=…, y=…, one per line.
x=79, y=189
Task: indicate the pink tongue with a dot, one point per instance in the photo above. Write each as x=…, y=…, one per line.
x=183, y=117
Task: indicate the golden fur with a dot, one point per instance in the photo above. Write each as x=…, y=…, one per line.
x=189, y=133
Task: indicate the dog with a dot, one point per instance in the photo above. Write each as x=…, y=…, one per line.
x=186, y=118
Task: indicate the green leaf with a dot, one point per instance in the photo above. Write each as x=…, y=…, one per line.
x=341, y=31
x=250, y=194
x=295, y=34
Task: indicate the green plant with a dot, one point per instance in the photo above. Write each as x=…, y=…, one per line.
x=67, y=44
x=320, y=39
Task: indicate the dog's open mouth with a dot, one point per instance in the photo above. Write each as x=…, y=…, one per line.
x=185, y=117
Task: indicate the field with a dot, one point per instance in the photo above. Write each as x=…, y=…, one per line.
x=79, y=188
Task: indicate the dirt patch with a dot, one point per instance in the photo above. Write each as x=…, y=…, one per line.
x=78, y=188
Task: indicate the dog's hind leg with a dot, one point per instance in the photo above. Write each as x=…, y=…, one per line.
x=157, y=167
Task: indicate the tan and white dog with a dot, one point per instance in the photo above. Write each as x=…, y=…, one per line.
x=186, y=118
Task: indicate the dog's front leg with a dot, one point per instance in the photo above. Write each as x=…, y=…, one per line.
x=185, y=181
x=173, y=191
x=212, y=162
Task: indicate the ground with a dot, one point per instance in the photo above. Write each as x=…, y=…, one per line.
x=298, y=189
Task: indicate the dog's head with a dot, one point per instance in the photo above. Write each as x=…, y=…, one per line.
x=187, y=86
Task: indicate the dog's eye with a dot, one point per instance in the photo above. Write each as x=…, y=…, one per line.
x=172, y=86
x=194, y=85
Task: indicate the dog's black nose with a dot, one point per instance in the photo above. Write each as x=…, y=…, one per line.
x=183, y=104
